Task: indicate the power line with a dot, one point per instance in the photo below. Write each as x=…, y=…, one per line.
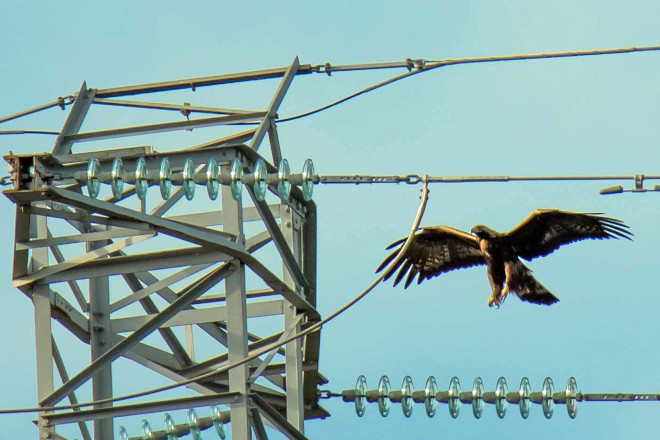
x=61, y=102
x=415, y=66
x=413, y=179
x=12, y=132
x=354, y=95
x=422, y=65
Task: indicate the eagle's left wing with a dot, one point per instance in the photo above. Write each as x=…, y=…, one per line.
x=432, y=251
x=545, y=230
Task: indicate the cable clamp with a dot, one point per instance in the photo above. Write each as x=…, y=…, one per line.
x=327, y=394
x=184, y=112
x=412, y=179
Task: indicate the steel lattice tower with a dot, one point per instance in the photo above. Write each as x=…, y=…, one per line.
x=203, y=250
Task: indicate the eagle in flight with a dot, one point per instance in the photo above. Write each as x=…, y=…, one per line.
x=438, y=249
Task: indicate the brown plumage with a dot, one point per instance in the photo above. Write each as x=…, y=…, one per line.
x=438, y=249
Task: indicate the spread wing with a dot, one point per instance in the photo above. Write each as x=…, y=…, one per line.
x=545, y=230
x=432, y=251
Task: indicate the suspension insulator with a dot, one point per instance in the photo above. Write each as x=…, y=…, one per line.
x=117, y=177
x=384, y=402
x=93, y=182
x=165, y=178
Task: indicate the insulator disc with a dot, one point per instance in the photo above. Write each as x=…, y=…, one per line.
x=501, y=404
x=193, y=424
x=477, y=401
x=212, y=184
x=308, y=180
x=430, y=389
x=217, y=422
x=141, y=182
x=360, y=399
x=93, y=182
x=146, y=430
x=260, y=186
x=169, y=427
x=283, y=183
x=384, y=396
x=117, y=177
x=236, y=178
x=188, y=183
x=547, y=403
x=164, y=177
x=123, y=435
x=571, y=401
x=454, y=403
x=406, y=395
x=524, y=402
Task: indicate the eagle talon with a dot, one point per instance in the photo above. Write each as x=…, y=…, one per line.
x=492, y=301
x=504, y=293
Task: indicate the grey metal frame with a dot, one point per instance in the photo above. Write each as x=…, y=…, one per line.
x=212, y=247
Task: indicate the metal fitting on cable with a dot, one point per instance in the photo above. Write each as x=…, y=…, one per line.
x=417, y=63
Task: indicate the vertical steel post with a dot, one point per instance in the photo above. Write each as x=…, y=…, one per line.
x=237, y=337
x=21, y=233
x=190, y=342
x=42, y=323
x=313, y=340
x=100, y=342
x=295, y=411
x=59, y=363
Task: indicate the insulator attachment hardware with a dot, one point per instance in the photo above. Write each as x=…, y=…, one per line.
x=192, y=175
x=501, y=397
x=638, y=180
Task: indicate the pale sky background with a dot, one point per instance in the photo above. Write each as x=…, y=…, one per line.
x=595, y=115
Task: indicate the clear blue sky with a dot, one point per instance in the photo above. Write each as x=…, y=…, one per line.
x=593, y=115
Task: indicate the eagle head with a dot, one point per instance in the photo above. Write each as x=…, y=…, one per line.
x=483, y=231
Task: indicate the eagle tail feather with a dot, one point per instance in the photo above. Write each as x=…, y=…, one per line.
x=527, y=288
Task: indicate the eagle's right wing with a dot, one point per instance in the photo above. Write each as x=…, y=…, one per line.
x=545, y=230
x=432, y=251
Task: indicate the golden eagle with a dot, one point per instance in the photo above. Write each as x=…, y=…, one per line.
x=439, y=249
